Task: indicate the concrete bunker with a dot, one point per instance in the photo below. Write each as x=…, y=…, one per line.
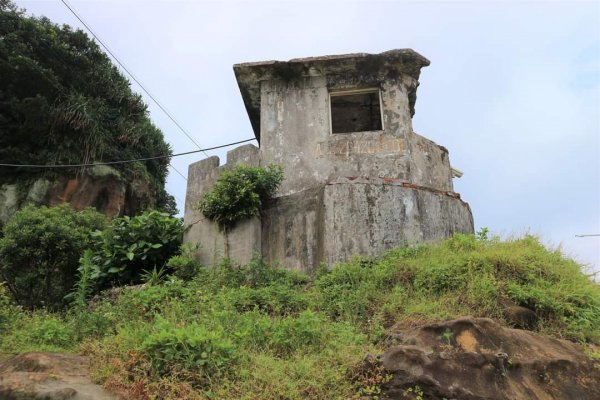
x=357, y=178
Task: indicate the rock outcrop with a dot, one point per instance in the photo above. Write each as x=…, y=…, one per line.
x=48, y=376
x=101, y=187
x=476, y=358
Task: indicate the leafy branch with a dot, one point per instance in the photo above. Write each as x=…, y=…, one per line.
x=240, y=193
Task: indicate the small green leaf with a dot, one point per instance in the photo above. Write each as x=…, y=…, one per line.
x=130, y=256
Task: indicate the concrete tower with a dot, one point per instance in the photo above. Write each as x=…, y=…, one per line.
x=357, y=178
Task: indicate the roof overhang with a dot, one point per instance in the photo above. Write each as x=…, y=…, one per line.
x=250, y=75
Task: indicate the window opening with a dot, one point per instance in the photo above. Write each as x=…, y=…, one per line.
x=356, y=111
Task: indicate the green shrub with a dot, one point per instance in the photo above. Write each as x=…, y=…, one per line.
x=184, y=266
x=8, y=311
x=190, y=350
x=52, y=331
x=294, y=333
x=350, y=290
x=239, y=194
x=40, y=250
x=251, y=330
x=154, y=277
x=269, y=329
x=144, y=303
x=89, y=325
x=257, y=273
x=275, y=299
x=131, y=245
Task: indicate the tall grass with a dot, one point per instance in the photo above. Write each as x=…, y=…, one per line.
x=256, y=332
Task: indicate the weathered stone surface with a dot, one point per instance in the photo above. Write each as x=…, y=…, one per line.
x=332, y=222
x=476, y=358
x=9, y=202
x=293, y=228
x=344, y=69
x=369, y=217
x=101, y=187
x=48, y=376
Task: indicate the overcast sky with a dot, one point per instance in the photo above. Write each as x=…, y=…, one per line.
x=513, y=89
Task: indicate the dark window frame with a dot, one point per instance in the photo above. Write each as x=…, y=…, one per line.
x=353, y=92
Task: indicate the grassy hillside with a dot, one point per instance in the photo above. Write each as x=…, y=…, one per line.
x=259, y=332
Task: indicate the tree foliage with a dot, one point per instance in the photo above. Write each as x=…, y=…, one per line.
x=63, y=101
x=40, y=250
x=239, y=194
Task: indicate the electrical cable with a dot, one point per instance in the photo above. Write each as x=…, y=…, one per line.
x=167, y=113
x=176, y=170
x=122, y=161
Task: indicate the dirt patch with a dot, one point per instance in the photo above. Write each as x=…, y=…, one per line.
x=467, y=341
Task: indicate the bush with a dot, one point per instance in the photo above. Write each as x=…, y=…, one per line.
x=40, y=251
x=132, y=245
x=275, y=299
x=304, y=332
x=188, y=350
x=184, y=266
x=8, y=311
x=240, y=193
x=255, y=331
x=135, y=304
x=255, y=274
x=52, y=332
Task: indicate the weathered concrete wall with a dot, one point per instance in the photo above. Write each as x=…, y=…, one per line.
x=293, y=228
x=331, y=222
x=295, y=132
x=429, y=164
x=242, y=241
x=9, y=202
x=370, y=216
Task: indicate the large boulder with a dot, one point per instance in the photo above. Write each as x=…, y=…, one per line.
x=476, y=358
x=48, y=376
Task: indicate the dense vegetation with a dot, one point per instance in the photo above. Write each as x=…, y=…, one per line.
x=39, y=252
x=63, y=101
x=131, y=245
x=256, y=332
x=240, y=193
x=44, y=250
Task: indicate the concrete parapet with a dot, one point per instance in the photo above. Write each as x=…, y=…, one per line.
x=243, y=240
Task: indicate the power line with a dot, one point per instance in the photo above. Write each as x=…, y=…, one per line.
x=123, y=161
x=167, y=113
x=176, y=170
